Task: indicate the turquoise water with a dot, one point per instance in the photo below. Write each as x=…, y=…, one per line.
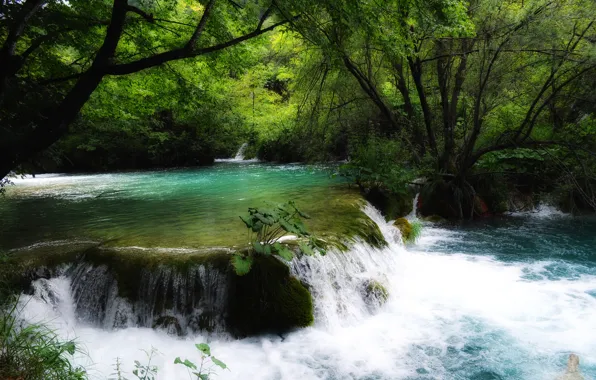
x=174, y=208
x=502, y=298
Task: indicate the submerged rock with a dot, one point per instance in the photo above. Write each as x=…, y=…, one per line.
x=572, y=369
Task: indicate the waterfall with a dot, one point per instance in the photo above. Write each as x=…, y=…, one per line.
x=444, y=315
x=240, y=153
x=194, y=299
x=414, y=214
x=238, y=157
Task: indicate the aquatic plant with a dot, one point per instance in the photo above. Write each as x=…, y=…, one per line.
x=202, y=371
x=266, y=227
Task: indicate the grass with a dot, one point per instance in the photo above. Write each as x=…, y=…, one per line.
x=33, y=351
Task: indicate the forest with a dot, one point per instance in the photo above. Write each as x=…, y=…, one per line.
x=446, y=111
x=471, y=95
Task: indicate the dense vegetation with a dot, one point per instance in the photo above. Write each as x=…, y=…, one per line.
x=480, y=98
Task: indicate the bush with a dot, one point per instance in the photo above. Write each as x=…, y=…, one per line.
x=379, y=164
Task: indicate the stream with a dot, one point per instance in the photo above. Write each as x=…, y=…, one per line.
x=505, y=298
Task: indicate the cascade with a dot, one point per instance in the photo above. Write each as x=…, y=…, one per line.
x=444, y=315
x=240, y=153
x=185, y=302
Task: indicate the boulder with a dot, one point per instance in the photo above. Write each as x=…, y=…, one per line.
x=268, y=300
x=374, y=293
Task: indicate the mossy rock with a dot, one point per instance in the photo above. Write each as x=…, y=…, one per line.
x=268, y=300
x=374, y=293
x=405, y=227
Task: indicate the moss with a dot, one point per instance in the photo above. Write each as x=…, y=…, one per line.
x=127, y=265
x=405, y=227
x=268, y=299
x=375, y=292
x=348, y=223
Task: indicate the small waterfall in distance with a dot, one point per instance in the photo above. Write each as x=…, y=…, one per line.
x=238, y=157
x=240, y=153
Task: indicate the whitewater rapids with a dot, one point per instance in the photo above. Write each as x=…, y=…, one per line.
x=448, y=316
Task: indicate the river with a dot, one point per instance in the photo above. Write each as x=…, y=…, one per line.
x=505, y=298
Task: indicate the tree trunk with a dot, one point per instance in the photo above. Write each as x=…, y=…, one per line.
x=416, y=69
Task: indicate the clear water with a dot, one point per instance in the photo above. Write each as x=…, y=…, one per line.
x=175, y=208
x=506, y=298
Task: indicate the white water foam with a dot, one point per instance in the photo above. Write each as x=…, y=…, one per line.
x=541, y=211
x=239, y=156
x=448, y=316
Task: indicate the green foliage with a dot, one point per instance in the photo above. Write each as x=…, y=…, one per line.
x=146, y=371
x=206, y=367
x=34, y=351
x=379, y=164
x=410, y=231
x=265, y=228
x=416, y=231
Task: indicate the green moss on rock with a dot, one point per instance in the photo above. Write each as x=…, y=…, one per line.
x=375, y=293
x=405, y=227
x=268, y=299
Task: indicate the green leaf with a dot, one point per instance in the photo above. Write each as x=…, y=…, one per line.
x=306, y=249
x=287, y=226
x=265, y=219
x=70, y=348
x=257, y=226
x=258, y=247
x=203, y=376
x=219, y=363
x=242, y=265
x=267, y=250
x=300, y=227
x=285, y=253
x=247, y=221
x=204, y=348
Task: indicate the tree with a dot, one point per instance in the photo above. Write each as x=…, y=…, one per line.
x=55, y=54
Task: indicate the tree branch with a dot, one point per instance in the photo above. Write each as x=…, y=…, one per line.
x=147, y=16
x=181, y=53
x=201, y=25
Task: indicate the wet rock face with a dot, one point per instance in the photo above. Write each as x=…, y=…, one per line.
x=374, y=293
x=183, y=293
x=268, y=300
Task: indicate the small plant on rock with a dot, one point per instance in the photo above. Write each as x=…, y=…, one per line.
x=206, y=367
x=265, y=228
